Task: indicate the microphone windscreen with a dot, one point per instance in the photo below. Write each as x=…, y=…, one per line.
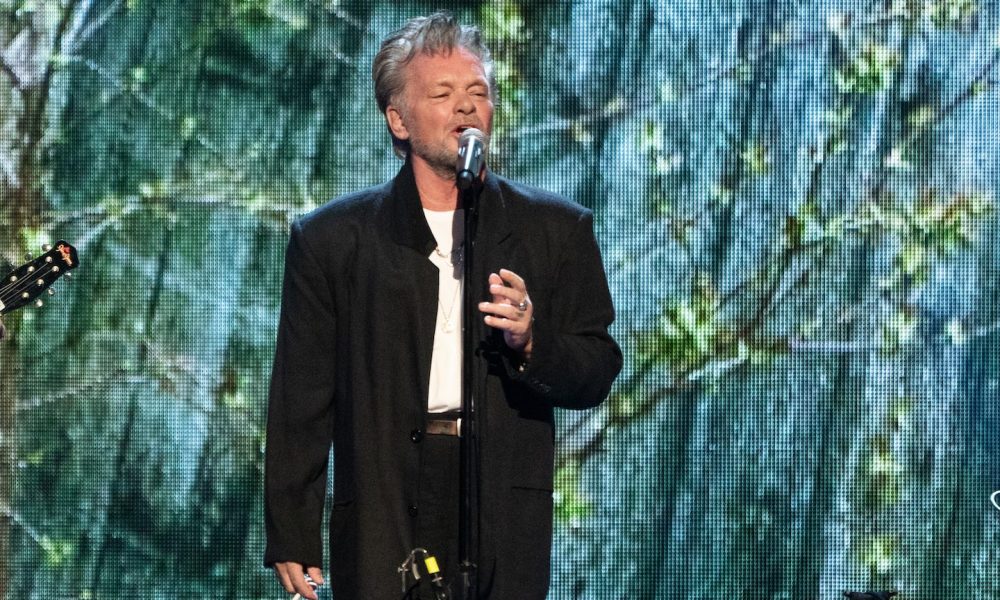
x=471, y=132
x=471, y=158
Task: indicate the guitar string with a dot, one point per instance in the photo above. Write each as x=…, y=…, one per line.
x=43, y=269
x=24, y=282
x=14, y=289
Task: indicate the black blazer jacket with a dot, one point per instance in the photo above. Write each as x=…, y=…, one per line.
x=352, y=368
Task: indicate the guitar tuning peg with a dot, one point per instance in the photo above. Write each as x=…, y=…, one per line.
x=27, y=256
x=69, y=274
x=39, y=303
x=51, y=292
x=46, y=247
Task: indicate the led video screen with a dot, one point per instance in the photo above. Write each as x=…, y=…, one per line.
x=795, y=202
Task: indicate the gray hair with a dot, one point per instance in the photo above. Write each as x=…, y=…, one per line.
x=434, y=34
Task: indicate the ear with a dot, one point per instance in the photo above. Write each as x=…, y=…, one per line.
x=394, y=118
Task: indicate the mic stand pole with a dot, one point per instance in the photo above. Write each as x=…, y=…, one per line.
x=468, y=524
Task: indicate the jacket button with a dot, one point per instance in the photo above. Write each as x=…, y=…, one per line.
x=416, y=435
x=412, y=509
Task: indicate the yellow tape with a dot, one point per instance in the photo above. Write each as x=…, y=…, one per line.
x=432, y=565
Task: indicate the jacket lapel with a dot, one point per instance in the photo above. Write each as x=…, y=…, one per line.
x=409, y=231
x=405, y=214
x=494, y=222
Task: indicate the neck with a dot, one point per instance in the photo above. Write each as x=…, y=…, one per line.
x=437, y=188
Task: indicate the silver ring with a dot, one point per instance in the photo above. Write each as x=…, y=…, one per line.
x=522, y=305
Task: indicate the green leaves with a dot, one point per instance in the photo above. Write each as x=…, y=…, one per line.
x=756, y=158
x=188, y=126
x=878, y=552
x=56, y=551
x=923, y=231
x=688, y=333
x=504, y=29
x=921, y=117
x=871, y=71
x=926, y=230
x=880, y=482
x=805, y=227
x=570, y=505
x=252, y=12
x=698, y=343
x=951, y=13
x=916, y=236
x=956, y=332
x=502, y=21
x=509, y=97
x=653, y=143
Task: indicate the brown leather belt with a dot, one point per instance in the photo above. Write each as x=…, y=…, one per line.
x=444, y=423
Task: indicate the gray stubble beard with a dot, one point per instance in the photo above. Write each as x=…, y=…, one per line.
x=442, y=163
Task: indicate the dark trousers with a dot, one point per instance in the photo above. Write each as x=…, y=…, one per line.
x=438, y=510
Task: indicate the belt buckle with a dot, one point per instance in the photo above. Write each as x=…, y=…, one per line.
x=444, y=427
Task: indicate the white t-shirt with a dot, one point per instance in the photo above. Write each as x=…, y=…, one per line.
x=445, y=392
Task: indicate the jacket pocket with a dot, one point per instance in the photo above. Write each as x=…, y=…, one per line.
x=529, y=539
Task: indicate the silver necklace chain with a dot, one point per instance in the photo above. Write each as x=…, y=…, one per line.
x=449, y=326
x=451, y=255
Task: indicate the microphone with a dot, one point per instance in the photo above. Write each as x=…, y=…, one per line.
x=471, y=157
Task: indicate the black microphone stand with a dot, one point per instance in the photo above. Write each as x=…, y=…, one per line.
x=468, y=524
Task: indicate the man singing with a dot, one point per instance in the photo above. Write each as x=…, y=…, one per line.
x=369, y=348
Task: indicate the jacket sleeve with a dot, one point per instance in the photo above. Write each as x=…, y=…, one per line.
x=300, y=410
x=574, y=359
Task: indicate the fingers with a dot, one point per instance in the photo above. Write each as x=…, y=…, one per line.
x=514, y=280
x=507, y=306
x=517, y=334
x=510, y=295
x=316, y=574
x=511, y=309
x=508, y=286
x=496, y=284
x=506, y=316
x=293, y=579
x=282, y=570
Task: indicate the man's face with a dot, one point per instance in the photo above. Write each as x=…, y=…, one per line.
x=445, y=94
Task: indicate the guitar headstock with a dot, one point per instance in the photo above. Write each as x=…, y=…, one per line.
x=25, y=283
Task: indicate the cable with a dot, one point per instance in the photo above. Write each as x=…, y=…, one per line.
x=430, y=565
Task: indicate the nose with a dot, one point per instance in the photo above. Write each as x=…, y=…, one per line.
x=464, y=104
